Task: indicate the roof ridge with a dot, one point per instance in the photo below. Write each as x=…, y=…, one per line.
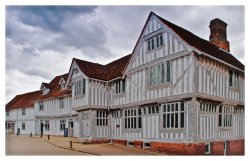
x=118, y=59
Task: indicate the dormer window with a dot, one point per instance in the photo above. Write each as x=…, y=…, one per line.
x=62, y=85
x=45, y=88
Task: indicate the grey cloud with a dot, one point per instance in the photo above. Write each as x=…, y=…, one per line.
x=48, y=17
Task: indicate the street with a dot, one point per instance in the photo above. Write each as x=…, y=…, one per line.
x=58, y=145
x=25, y=145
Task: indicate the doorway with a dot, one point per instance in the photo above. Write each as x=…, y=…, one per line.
x=41, y=129
x=71, y=129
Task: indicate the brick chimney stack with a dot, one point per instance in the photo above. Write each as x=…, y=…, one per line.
x=218, y=34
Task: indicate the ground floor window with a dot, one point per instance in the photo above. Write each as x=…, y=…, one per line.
x=173, y=115
x=101, y=118
x=225, y=116
x=62, y=124
x=46, y=125
x=132, y=118
x=23, y=125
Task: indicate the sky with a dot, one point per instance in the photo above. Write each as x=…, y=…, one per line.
x=41, y=41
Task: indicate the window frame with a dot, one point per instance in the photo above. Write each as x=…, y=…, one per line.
x=155, y=42
x=41, y=104
x=120, y=86
x=225, y=116
x=102, y=118
x=61, y=102
x=233, y=79
x=80, y=87
x=62, y=125
x=23, y=111
x=173, y=116
x=23, y=126
x=159, y=74
x=132, y=119
x=47, y=125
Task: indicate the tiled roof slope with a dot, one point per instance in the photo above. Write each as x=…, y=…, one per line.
x=117, y=67
x=24, y=100
x=203, y=45
x=28, y=99
x=104, y=72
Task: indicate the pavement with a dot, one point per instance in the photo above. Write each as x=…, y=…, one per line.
x=25, y=145
x=94, y=149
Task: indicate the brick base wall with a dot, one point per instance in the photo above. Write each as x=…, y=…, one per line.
x=217, y=148
x=95, y=141
x=100, y=141
x=178, y=148
x=236, y=147
x=121, y=142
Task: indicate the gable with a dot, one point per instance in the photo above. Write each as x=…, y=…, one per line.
x=156, y=40
x=74, y=72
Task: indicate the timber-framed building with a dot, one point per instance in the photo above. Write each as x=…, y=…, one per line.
x=175, y=93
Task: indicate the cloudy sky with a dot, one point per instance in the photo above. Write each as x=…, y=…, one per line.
x=42, y=40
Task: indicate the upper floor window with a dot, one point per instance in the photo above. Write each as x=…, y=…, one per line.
x=7, y=113
x=151, y=110
x=155, y=42
x=120, y=86
x=75, y=71
x=101, y=118
x=41, y=106
x=173, y=115
x=160, y=73
x=225, y=116
x=61, y=102
x=79, y=87
x=208, y=107
x=23, y=111
x=233, y=78
x=132, y=118
x=117, y=114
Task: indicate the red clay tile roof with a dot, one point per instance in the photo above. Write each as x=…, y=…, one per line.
x=203, y=45
x=55, y=88
x=117, y=67
x=65, y=76
x=104, y=72
x=23, y=100
x=28, y=99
